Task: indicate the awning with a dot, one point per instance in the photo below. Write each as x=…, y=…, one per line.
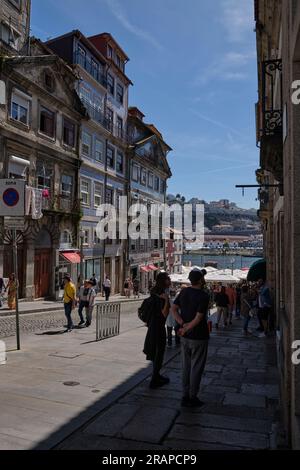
x=152, y=267
x=145, y=269
x=258, y=271
x=71, y=256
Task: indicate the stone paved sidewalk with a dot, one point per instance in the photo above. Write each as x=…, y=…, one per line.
x=240, y=391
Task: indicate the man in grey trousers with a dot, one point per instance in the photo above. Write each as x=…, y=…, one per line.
x=193, y=303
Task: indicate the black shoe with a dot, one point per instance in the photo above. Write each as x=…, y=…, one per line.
x=159, y=382
x=81, y=323
x=196, y=403
x=185, y=402
x=163, y=379
x=87, y=324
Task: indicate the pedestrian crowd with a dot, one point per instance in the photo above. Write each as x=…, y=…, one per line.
x=186, y=312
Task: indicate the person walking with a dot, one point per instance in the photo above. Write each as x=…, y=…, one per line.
x=264, y=306
x=107, y=288
x=171, y=323
x=230, y=291
x=12, y=292
x=238, y=292
x=94, y=282
x=87, y=296
x=127, y=288
x=2, y=289
x=193, y=304
x=246, y=308
x=136, y=288
x=222, y=302
x=69, y=300
x=155, y=342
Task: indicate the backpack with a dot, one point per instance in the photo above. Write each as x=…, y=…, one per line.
x=147, y=309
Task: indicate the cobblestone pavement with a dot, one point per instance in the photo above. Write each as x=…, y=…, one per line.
x=33, y=322
x=240, y=391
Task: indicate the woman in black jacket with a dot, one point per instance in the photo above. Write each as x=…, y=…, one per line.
x=155, y=343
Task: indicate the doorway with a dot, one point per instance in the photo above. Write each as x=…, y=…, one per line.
x=43, y=264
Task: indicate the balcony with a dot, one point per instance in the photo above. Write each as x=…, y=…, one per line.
x=91, y=68
x=60, y=203
x=98, y=116
x=271, y=132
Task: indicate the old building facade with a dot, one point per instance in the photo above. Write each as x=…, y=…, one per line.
x=278, y=135
x=149, y=172
x=41, y=116
x=14, y=26
x=103, y=88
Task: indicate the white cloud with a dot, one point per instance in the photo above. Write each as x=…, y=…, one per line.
x=119, y=13
x=237, y=19
x=231, y=66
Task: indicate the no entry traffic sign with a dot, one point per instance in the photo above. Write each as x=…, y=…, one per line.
x=12, y=198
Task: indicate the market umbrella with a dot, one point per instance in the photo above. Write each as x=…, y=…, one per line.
x=257, y=271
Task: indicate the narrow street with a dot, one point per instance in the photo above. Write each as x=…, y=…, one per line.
x=68, y=392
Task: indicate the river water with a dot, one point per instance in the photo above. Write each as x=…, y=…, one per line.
x=224, y=262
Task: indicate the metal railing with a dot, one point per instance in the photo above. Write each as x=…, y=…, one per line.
x=60, y=203
x=91, y=68
x=107, y=320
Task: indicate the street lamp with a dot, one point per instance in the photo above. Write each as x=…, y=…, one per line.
x=81, y=236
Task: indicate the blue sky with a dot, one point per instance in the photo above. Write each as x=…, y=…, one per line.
x=194, y=71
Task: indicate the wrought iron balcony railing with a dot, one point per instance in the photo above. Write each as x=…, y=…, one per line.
x=94, y=70
x=272, y=97
x=60, y=203
x=102, y=119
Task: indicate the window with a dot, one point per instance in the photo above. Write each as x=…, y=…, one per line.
x=119, y=127
x=47, y=122
x=111, y=84
x=156, y=183
x=120, y=163
x=20, y=108
x=110, y=157
x=118, y=61
x=66, y=185
x=85, y=190
x=68, y=133
x=162, y=186
x=98, y=194
x=66, y=238
x=135, y=173
x=85, y=94
x=86, y=236
x=16, y=3
x=109, y=196
x=99, y=150
x=9, y=35
x=120, y=93
x=109, y=52
x=81, y=56
x=86, y=144
x=44, y=176
x=150, y=180
x=94, y=69
x=143, y=177
x=110, y=119
x=97, y=241
x=49, y=81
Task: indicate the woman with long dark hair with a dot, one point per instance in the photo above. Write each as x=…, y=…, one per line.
x=155, y=343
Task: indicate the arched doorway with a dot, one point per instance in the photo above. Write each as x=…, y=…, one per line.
x=43, y=264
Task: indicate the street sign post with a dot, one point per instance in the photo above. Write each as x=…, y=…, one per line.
x=12, y=208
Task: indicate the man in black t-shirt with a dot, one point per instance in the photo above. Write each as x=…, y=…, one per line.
x=193, y=304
